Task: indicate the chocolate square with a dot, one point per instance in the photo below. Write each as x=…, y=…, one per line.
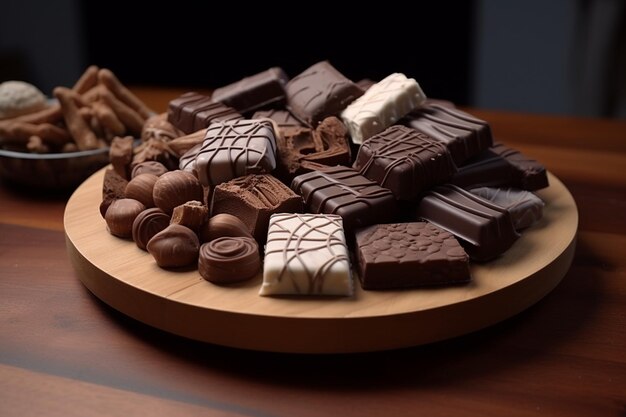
x=465, y=135
x=343, y=191
x=231, y=150
x=403, y=255
x=486, y=230
x=320, y=91
x=192, y=112
x=254, y=92
x=253, y=199
x=405, y=161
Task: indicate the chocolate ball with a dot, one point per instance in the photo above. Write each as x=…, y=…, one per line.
x=175, y=188
x=121, y=214
x=175, y=246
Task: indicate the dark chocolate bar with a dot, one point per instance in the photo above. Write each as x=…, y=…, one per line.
x=319, y=92
x=405, y=161
x=485, y=170
x=465, y=135
x=343, y=191
x=486, y=230
x=254, y=92
x=528, y=174
x=402, y=255
x=192, y=112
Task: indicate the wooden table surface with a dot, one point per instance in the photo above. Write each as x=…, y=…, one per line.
x=65, y=353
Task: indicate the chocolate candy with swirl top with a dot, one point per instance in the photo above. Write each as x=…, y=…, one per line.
x=227, y=260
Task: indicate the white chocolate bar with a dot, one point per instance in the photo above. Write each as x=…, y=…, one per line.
x=306, y=254
x=525, y=207
x=382, y=105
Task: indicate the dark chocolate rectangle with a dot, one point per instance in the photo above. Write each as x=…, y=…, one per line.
x=528, y=174
x=192, y=112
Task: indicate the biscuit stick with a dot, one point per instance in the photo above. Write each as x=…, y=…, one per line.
x=109, y=79
x=88, y=80
x=85, y=138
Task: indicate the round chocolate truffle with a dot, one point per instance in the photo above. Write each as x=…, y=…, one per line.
x=229, y=259
x=147, y=224
x=175, y=188
x=121, y=214
x=174, y=246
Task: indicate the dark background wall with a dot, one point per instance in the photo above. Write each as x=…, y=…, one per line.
x=561, y=56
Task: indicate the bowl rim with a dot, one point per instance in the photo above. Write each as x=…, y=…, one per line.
x=58, y=155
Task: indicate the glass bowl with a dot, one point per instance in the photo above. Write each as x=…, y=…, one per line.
x=51, y=171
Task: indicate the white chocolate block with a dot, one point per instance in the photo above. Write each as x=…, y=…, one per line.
x=306, y=254
x=525, y=207
x=382, y=105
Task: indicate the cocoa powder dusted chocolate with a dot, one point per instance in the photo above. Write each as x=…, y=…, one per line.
x=227, y=260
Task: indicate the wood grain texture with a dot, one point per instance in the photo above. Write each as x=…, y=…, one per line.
x=183, y=303
x=565, y=356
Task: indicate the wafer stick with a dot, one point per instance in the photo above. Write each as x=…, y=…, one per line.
x=109, y=79
x=13, y=131
x=51, y=114
x=128, y=116
x=88, y=80
x=85, y=138
x=108, y=119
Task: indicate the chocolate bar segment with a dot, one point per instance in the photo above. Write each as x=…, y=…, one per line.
x=343, y=191
x=525, y=207
x=306, y=254
x=485, y=170
x=465, y=135
x=382, y=105
x=405, y=161
x=253, y=199
x=528, y=174
x=192, y=112
x=231, y=150
x=403, y=255
x=485, y=229
x=320, y=91
x=282, y=117
x=254, y=92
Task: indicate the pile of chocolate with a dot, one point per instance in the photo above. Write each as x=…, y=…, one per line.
x=299, y=178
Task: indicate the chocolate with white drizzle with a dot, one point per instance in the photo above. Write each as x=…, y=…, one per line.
x=306, y=254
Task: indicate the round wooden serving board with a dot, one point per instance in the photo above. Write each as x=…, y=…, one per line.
x=183, y=303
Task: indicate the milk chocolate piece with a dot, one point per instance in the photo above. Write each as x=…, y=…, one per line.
x=251, y=93
x=231, y=150
x=147, y=224
x=121, y=155
x=528, y=174
x=326, y=145
x=486, y=230
x=465, y=135
x=365, y=84
x=223, y=225
x=306, y=254
x=320, y=91
x=282, y=117
x=525, y=207
x=113, y=188
x=149, y=167
x=343, y=191
x=157, y=127
x=191, y=214
x=155, y=150
x=403, y=255
x=120, y=216
x=404, y=161
x=381, y=106
x=253, y=199
x=227, y=260
x=175, y=188
x=174, y=246
x=192, y=112
x=485, y=170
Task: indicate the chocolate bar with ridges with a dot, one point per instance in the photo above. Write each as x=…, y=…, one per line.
x=485, y=229
x=465, y=135
x=320, y=91
x=402, y=255
x=254, y=92
x=528, y=174
x=192, y=112
x=485, y=170
x=232, y=149
x=404, y=161
x=525, y=207
x=343, y=191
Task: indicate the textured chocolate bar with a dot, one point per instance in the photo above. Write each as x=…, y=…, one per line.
x=404, y=161
x=232, y=149
x=342, y=190
x=402, y=255
x=282, y=117
x=327, y=145
x=253, y=199
x=485, y=229
x=465, y=135
x=320, y=91
x=254, y=92
x=382, y=105
x=306, y=254
x=525, y=207
x=192, y=112
x=528, y=174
